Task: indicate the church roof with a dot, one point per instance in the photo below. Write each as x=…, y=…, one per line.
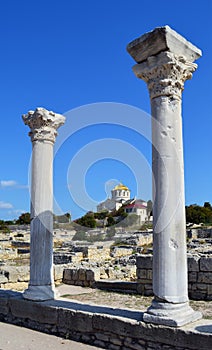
x=121, y=187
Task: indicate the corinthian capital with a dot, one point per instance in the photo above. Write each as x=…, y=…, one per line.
x=43, y=124
x=165, y=73
x=164, y=60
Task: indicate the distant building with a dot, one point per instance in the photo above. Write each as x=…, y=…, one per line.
x=139, y=208
x=120, y=195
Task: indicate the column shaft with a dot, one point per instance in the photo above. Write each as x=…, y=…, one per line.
x=41, y=214
x=169, y=259
x=43, y=125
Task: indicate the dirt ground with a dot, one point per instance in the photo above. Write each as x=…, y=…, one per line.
x=130, y=301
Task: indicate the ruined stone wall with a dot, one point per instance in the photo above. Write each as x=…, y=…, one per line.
x=145, y=239
x=118, y=252
x=199, y=276
x=66, y=258
x=96, y=254
x=199, y=233
x=81, y=276
x=144, y=275
x=18, y=276
x=101, y=326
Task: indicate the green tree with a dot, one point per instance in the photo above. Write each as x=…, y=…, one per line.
x=24, y=219
x=87, y=220
x=102, y=215
x=3, y=226
x=110, y=221
x=197, y=214
x=207, y=205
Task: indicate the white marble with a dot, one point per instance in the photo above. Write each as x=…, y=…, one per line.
x=159, y=40
x=43, y=125
x=165, y=73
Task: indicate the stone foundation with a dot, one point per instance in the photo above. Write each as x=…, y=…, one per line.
x=105, y=327
x=81, y=276
x=199, y=276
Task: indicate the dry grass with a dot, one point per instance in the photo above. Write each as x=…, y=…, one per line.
x=132, y=301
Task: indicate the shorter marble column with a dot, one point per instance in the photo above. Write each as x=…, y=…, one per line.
x=165, y=61
x=43, y=125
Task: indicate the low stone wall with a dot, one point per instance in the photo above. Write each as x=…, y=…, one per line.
x=199, y=276
x=12, y=275
x=118, y=252
x=145, y=239
x=144, y=275
x=81, y=276
x=199, y=233
x=105, y=327
x=96, y=254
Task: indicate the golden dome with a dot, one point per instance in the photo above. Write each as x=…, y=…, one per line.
x=121, y=187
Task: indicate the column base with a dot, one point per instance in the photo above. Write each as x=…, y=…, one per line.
x=169, y=314
x=40, y=293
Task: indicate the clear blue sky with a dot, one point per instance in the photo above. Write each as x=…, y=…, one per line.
x=65, y=54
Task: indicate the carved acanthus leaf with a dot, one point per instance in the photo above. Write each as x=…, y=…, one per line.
x=43, y=124
x=165, y=74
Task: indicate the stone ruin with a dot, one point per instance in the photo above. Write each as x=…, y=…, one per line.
x=164, y=60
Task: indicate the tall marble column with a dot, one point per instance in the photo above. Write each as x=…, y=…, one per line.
x=165, y=61
x=43, y=125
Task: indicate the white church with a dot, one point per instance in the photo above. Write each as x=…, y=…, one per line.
x=120, y=195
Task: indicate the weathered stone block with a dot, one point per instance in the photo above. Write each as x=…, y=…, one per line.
x=17, y=273
x=141, y=274
x=193, y=263
x=148, y=286
x=102, y=337
x=79, y=283
x=192, y=276
x=209, y=289
x=3, y=279
x=144, y=261
x=58, y=272
x=96, y=274
x=4, y=307
x=201, y=286
x=115, y=325
x=148, y=292
x=89, y=275
x=149, y=275
x=116, y=341
x=74, y=320
x=87, y=283
x=197, y=295
x=206, y=264
x=194, y=286
x=140, y=288
x=162, y=39
x=115, y=347
x=99, y=343
x=39, y=312
x=66, y=275
x=75, y=275
x=205, y=277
